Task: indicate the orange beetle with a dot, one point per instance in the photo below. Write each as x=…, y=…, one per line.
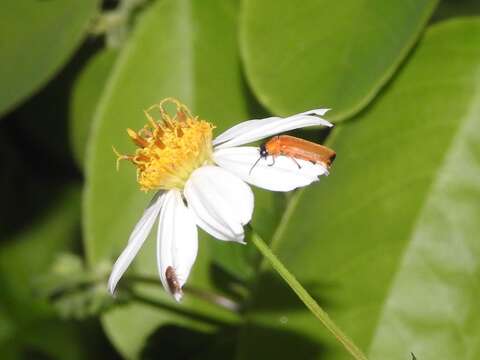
x=296, y=148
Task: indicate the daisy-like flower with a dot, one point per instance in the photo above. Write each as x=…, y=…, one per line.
x=203, y=182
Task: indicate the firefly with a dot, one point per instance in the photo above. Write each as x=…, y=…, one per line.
x=296, y=148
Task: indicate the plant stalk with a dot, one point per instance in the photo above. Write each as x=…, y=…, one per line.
x=306, y=298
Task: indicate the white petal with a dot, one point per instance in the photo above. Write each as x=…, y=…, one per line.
x=283, y=175
x=221, y=202
x=136, y=240
x=177, y=242
x=252, y=130
x=318, y=112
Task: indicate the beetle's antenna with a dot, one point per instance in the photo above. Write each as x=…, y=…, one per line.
x=255, y=164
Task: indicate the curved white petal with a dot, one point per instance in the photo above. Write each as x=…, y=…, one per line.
x=222, y=202
x=252, y=130
x=177, y=243
x=283, y=175
x=136, y=240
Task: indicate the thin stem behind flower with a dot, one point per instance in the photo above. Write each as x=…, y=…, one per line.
x=306, y=298
x=168, y=306
x=208, y=296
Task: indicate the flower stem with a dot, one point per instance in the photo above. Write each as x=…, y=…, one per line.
x=169, y=306
x=215, y=299
x=306, y=298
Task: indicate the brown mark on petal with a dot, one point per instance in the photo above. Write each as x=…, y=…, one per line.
x=172, y=281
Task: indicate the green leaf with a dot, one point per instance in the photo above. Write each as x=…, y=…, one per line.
x=27, y=319
x=29, y=254
x=454, y=8
x=75, y=291
x=185, y=49
x=86, y=95
x=36, y=39
x=388, y=244
x=324, y=53
x=55, y=339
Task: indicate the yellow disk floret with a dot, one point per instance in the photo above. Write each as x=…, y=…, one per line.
x=169, y=150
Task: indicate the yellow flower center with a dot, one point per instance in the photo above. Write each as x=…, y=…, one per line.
x=169, y=150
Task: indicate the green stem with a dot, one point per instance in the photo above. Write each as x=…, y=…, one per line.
x=309, y=302
x=212, y=298
x=169, y=306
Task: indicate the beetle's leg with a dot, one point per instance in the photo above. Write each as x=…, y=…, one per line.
x=273, y=161
x=295, y=161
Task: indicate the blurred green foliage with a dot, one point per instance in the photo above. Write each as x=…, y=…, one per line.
x=387, y=243
x=392, y=251
x=37, y=37
x=338, y=56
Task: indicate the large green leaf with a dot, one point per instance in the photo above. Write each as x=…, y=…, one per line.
x=388, y=244
x=31, y=252
x=36, y=38
x=336, y=54
x=455, y=8
x=185, y=49
x=86, y=94
x=26, y=317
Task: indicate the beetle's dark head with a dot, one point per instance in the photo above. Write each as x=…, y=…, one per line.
x=263, y=154
x=263, y=151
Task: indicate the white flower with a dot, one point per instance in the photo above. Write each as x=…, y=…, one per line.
x=200, y=182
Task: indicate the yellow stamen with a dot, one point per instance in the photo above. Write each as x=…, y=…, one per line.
x=137, y=139
x=120, y=157
x=171, y=148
